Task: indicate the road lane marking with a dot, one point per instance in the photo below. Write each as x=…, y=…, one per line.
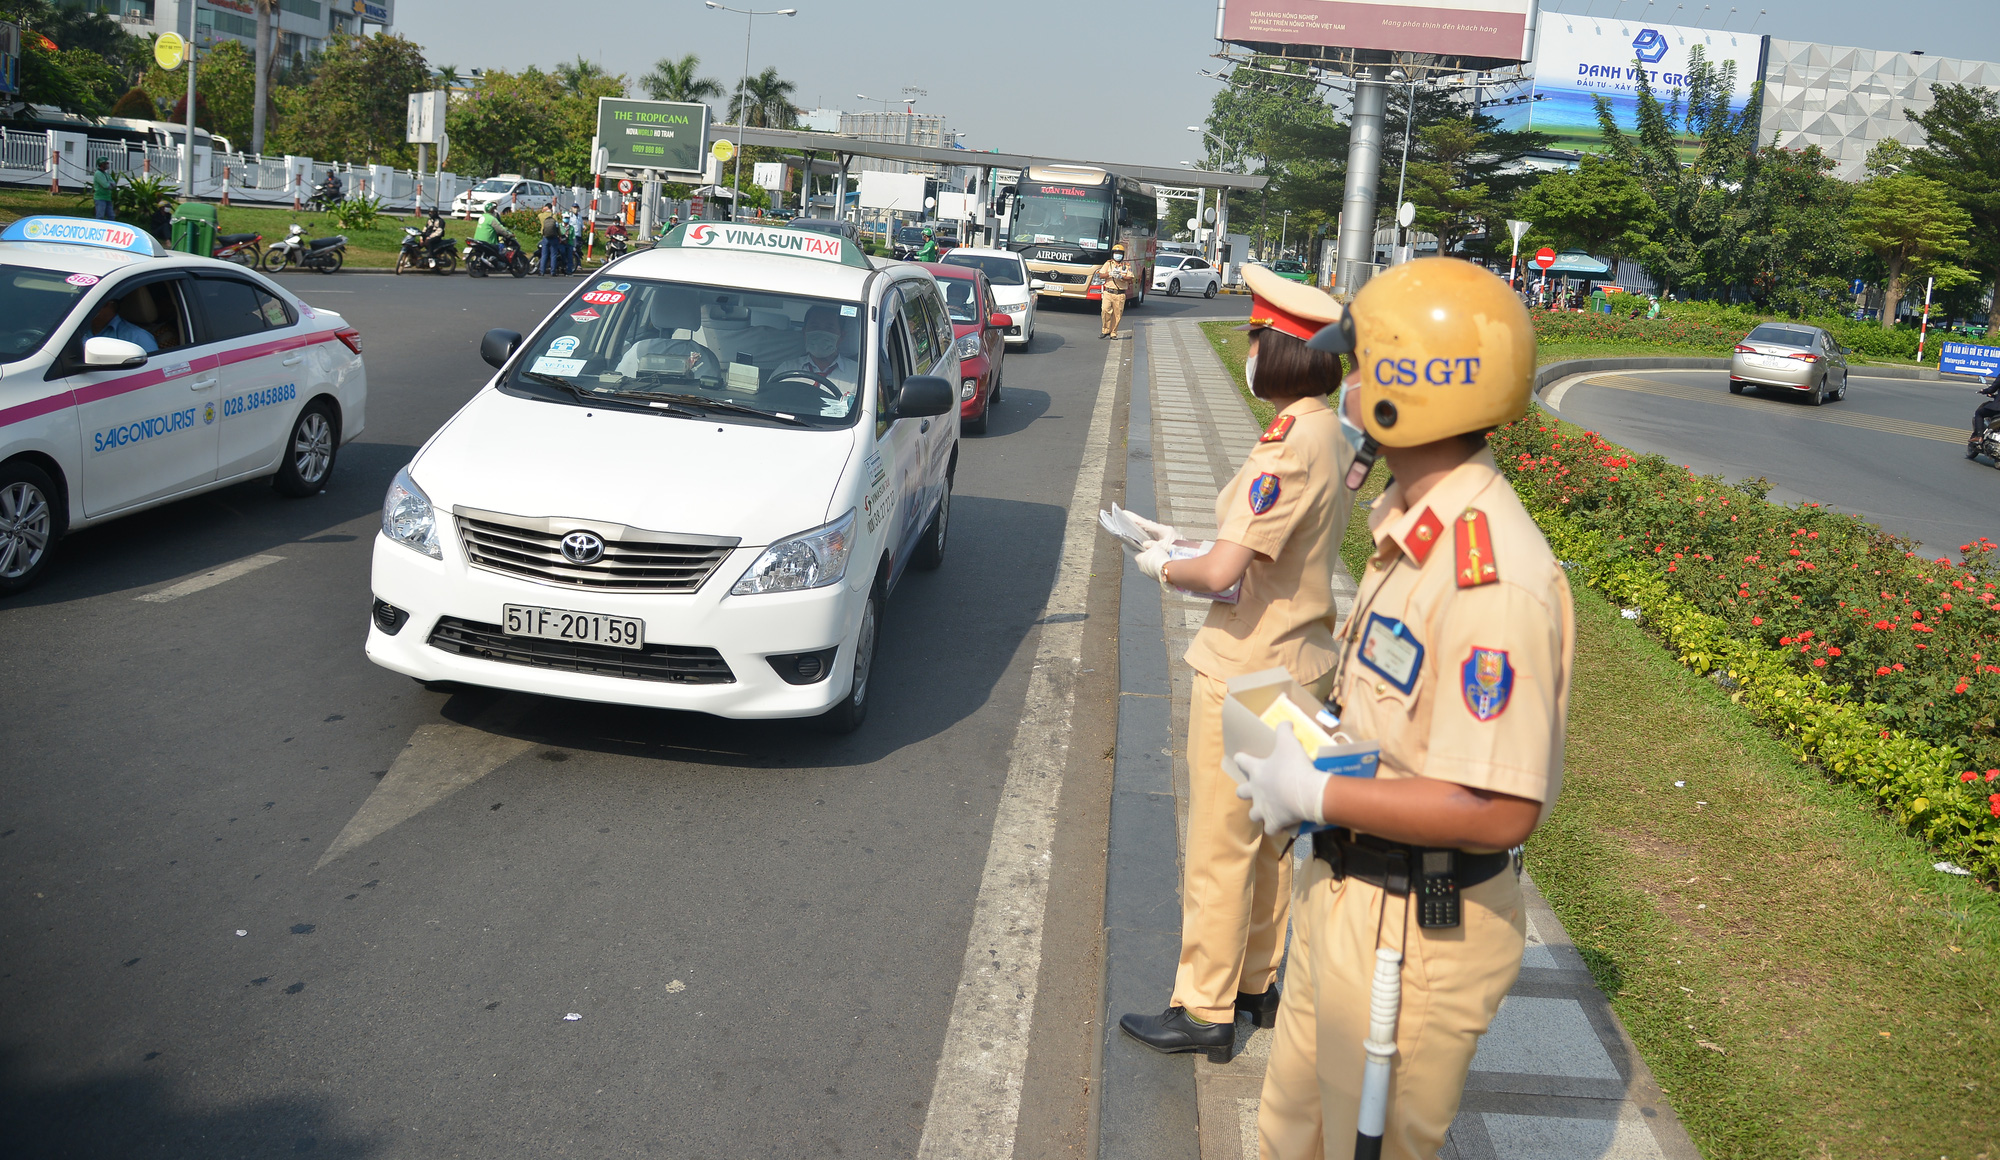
x=1882, y=423
x=209, y=579
x=976, y=1099
x=438, y=761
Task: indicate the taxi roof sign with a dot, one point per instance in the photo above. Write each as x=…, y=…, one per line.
x=82, y=232
x=787, y=243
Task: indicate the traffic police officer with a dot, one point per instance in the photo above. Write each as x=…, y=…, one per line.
x=1457, y=661
x=1114, y=278
x=1281, y=521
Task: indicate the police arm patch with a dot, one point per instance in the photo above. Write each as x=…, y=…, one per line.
x=1488, y=679
x=1476, y=564
x=1279, y=428
x=1263, y=493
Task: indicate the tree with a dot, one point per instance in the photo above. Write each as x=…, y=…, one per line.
x=675, y=80
x=137, y=105
x=447, y=77
x=507, y=123
x=356, y=103
x=1599, y=208
x=1962, y=150
x=581, y=76
x=1786, y=236
x=1911, y=223
x=1449, y=202
x=266, y=41
x=766, y=100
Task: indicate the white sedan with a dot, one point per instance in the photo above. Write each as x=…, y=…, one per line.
x=131, y=377
x=1177, y=274
x=1013, y=287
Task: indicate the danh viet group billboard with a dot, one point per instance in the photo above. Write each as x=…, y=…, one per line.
x=1578, y=59
x=1496, y=29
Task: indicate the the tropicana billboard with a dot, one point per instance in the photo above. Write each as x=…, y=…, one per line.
x=1489, y=29
x=1578, y=59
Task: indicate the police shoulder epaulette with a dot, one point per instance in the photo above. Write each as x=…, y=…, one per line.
x=1476, y=564
x=1424, y=536
x=1279, y=428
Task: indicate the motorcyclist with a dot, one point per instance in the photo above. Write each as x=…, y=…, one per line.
x=1988, y=409
x=330, y=190
x=928, y=252
x=434, y=227
x=489, y=231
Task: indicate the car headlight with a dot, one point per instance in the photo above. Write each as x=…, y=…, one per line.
x=966, y=388
x=969, y=347
x=407, y=517
x=811, y=559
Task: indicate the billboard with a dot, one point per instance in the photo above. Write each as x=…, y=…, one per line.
x=1496, y=29
x=1578, y=59
x=666, y=135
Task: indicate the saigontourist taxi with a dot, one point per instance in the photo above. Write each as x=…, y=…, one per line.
x=132, y=376
x=692, y=487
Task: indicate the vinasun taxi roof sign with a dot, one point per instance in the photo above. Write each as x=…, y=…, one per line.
x=81, y=232
x=785, y=243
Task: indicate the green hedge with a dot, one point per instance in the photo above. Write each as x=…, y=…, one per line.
x=1713, y=328
x=1882, y=667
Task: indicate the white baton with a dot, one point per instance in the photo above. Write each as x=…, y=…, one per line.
x=1385, y=1001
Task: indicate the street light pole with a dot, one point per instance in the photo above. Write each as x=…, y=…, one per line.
x=750, y=16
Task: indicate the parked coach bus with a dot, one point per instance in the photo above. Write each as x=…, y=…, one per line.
x=1064, y=220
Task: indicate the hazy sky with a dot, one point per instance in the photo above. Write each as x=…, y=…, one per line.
x=1114, y=80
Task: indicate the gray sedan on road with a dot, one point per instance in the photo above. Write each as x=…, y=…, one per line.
x=1793, y=356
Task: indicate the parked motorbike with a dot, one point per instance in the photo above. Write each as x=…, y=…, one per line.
x=439, y=255
x=565, y=264
x=483, y=258
x=1987, y=441
x=242, y=249
x=323, y=254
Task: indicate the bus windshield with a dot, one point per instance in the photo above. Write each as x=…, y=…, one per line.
x=1079, y=215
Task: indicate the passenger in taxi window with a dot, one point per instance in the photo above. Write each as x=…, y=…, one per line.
x=108, y=323
x=674, y=309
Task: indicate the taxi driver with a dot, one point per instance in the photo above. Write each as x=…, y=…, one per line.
x=108, y=323
x=823, y=333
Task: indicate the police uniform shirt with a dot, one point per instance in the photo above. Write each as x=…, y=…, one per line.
x=1288, y=506
x=1117, y=275
x=1458, y=655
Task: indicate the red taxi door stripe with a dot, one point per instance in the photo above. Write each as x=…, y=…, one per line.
x=111, y=388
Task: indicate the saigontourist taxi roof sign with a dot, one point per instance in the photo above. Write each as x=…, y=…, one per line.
x=785, y=243
x=81, y=232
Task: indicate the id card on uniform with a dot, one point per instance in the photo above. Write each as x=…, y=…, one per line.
x=1389, y=648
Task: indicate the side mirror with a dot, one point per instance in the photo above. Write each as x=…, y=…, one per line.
x=923, y=396
x=1003, y=321
x=112, y=352
x=1036, y=284
x=498, y=346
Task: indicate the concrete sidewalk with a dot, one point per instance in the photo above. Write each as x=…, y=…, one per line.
x=1555, y=1079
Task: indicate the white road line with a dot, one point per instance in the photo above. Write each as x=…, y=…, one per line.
x=976, y=1099
x=438, y=761
x=222, y=575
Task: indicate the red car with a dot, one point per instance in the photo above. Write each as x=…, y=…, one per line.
x=981, y=333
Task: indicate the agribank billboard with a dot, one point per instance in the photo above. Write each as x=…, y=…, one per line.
x=1495, y=29
x=1578, y=59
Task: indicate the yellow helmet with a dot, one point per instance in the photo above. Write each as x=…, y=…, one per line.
x=1441, y=348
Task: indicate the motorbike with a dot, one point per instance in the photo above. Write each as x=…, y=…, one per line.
x=324, y=200
x=1987, y=441
x=439, y=255
x=615, y=241
x=505, y=257
x=242, y=249
x=323, y=254
x=565, y=263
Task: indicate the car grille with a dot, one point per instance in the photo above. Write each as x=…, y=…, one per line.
x=1059, y=276
x=633, y=560
x=679, y=664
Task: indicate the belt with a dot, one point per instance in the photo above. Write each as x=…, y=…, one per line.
x=1389, y=865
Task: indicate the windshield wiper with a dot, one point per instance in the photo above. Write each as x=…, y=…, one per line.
x=726, y=405
x=597, y=396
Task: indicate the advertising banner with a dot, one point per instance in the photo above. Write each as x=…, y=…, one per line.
x=670, y=136
x=1965, y=358
x=1578, y=59
x=1480, y=28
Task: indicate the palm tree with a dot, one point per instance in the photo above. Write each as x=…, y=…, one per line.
x=576, y=77
x=766, y=99
x=674, y=80
x=448, y=78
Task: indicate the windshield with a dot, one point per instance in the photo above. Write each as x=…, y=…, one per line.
x=712, y=352
x=960, y=299
x=1781, y=334
x=998, y=270
x=32, y=304
x=1289, y=266
x=910, y=235
x=494, y=186
x=1168, y=261
x=1063, y=213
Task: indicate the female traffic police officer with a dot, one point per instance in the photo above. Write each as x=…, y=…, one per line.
x=1281, y=521
x=1115, y=279
x=1457, y=661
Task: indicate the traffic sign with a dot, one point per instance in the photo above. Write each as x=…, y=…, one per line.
x=1544, y=257
x=723, y=150
x=169, y=50
x=624, y=185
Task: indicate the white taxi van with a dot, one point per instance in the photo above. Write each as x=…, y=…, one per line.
x=132, y=376
x=693, y=487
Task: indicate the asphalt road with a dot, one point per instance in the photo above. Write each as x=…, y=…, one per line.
x=1892, y=451
x=761, y=928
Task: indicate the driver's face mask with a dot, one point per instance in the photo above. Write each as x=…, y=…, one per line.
x=821, y=344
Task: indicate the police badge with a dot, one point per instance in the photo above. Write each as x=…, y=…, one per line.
x=1489, y=681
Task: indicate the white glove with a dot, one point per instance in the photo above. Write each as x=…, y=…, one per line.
x=1154, y=532
x=1153, y=559
x=1283, y=789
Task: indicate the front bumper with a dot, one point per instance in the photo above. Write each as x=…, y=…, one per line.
x=1017, y=333
x=744, y=630
x=980, y=372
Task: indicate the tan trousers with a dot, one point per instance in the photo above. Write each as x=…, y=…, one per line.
x=1453, y=980
x=1112, y=311
x=1236, y=889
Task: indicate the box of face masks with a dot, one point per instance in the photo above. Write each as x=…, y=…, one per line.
x=1259, y=702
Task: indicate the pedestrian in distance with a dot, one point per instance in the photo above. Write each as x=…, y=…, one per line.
x=1456, y=661
x=1280, y=521
x=551, y=247
x=104, y=190
x=1114, y=279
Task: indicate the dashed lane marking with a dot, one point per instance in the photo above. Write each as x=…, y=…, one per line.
x=976, y=1099
x=1882, y=423
x=209, y=579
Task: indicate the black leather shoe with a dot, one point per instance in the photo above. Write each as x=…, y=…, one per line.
x=1173, y=1032
x=1261, y=1008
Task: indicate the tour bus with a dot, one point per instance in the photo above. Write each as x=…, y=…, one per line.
x=1064, y=220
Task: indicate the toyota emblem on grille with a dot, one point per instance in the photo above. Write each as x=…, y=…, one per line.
x=583, y=547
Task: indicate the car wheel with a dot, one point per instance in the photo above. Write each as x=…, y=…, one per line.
x=1213, y=288
x=930, y=553
x=309, y=452
x=852, y=710
x=1736, y=386
x=1174, y=288
x=1817, y=395
x=29, y=524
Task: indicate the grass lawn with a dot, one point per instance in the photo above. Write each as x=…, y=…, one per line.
x=1800, y=980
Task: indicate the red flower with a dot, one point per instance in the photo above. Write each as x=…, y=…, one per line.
x=1993, y=774
x=1993, y=803
x=1784, y=640
x=1833, y=652
x=1755, y=619
x=1884, y=625
x=1959, y=687
x=1882, y=671
x=1898, y=666
x=1968, y=775
x=1819, y=662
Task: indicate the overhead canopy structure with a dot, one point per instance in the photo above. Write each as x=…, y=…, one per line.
x=1578, y=262
x=846, y=146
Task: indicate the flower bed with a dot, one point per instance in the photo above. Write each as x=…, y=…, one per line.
x=1881, y=666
